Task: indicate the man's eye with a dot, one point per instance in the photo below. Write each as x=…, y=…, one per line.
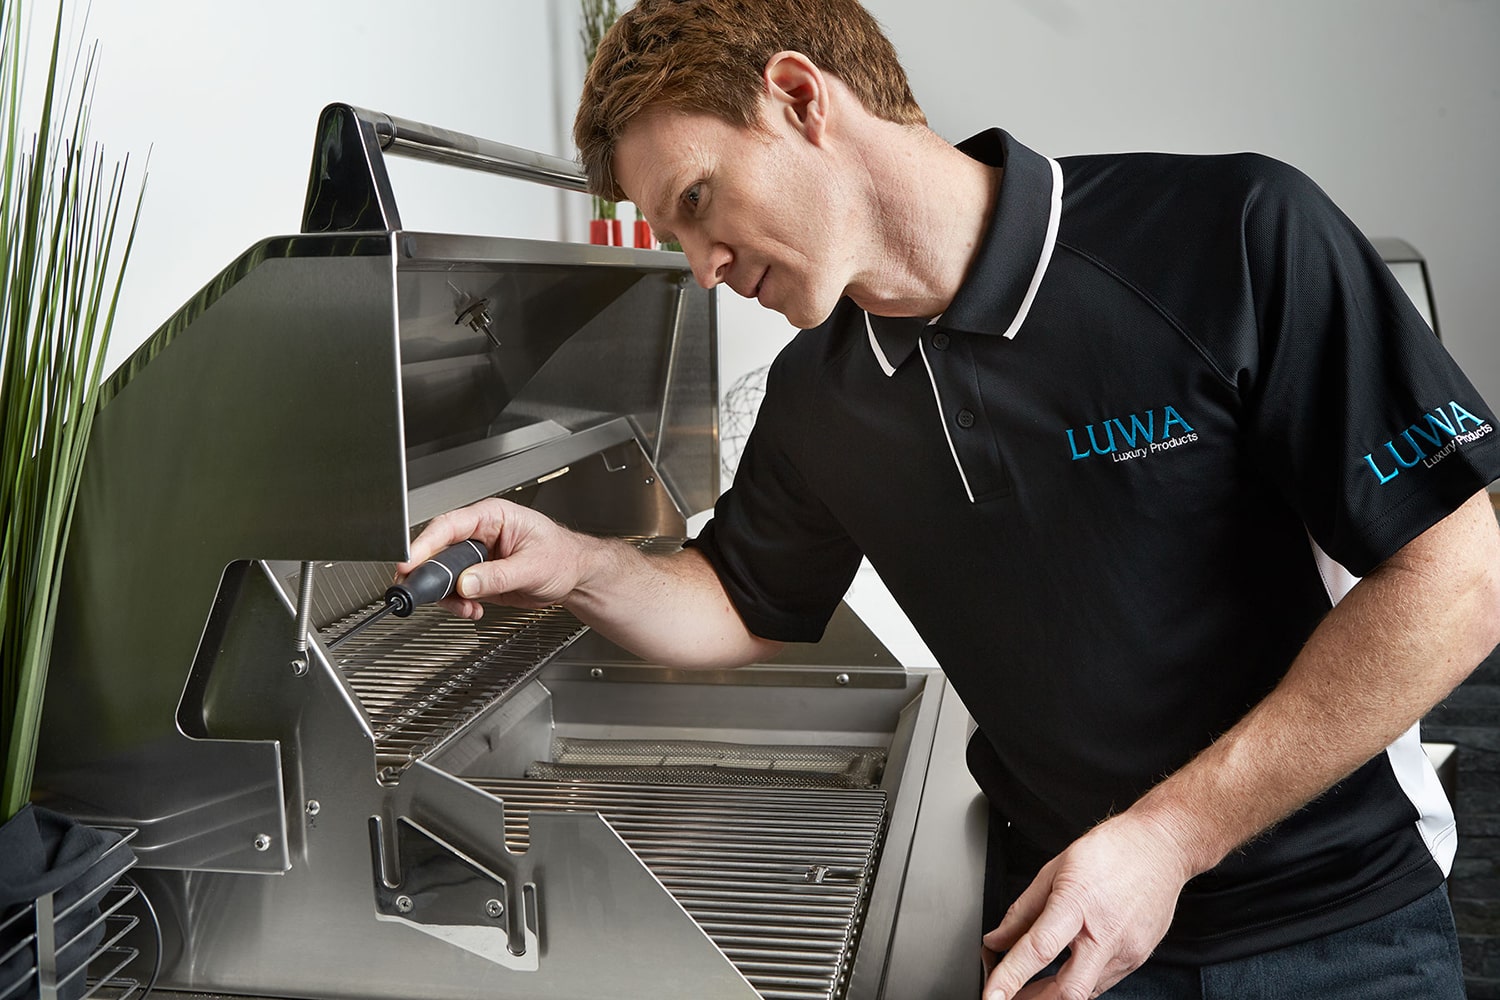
x=693, y=195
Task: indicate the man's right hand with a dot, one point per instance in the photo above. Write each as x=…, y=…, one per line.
x=668, y=609
x=533, y=561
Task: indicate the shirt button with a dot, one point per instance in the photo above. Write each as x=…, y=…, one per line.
x=965, y=418
x=940, y=341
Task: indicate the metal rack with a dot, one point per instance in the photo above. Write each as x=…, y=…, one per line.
x=422, y=678
x=778, y=878
x=54, y=968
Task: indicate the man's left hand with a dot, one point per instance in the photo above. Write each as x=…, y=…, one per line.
x=1109, y=897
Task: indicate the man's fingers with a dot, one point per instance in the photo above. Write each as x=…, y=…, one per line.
x=488, y=579
x=462, y=608
x=1046, y=938
x=1083, y=975
x=1021, y=915
x=450, y=529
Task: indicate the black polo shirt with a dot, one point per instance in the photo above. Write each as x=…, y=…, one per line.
x=1111, y=486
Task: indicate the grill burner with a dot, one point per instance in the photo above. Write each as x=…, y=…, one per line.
x=711, y=762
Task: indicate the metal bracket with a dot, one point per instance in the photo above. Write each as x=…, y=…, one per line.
x=442, y=892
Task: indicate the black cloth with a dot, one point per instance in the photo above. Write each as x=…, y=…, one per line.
x=1108, y=487
x=45, y=852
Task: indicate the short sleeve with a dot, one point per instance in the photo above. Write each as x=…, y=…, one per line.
x=1355, y=410
x=783, y=558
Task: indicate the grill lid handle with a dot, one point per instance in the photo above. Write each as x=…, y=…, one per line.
x=349, y=189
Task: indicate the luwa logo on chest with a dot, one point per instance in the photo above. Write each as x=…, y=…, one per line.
x=1135, y=435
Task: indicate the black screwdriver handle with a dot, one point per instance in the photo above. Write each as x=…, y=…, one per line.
x=436, y=578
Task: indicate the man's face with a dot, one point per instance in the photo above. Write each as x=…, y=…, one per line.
x=759, y=211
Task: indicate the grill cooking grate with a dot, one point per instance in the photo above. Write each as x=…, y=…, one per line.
x=777, y=878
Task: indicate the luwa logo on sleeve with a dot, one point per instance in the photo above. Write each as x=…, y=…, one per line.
x=1133, y=436
x=1436, y=435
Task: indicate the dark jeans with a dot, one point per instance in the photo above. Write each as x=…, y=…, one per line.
x=1411, y=954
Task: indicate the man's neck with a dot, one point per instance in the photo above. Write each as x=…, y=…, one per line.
x=931, y=207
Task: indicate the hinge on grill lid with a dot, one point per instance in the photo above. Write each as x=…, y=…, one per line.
x=437, y=889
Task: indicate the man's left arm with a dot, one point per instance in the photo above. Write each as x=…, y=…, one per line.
x=1399, y=641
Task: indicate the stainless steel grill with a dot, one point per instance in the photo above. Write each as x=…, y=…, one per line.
x=358, y=822
x=777, y=878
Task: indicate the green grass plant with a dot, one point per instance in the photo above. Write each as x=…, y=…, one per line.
x=63, y=257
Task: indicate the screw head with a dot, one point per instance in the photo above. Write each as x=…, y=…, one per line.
x=493, y=907
x=403, y=904
x=314, y=807
x=596, y=673
x=262, y=842
x=841, y=680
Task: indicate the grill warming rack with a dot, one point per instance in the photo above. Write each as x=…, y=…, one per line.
x=423, y=678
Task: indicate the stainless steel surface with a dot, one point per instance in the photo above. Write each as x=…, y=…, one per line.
x=744, y=862
x=349, y=188
x=440, y=145
x=936, y=923
x=339, y=829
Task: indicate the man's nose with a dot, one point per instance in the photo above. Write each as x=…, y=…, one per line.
x=710, y=262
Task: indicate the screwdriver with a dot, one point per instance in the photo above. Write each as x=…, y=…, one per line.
x=432, y=581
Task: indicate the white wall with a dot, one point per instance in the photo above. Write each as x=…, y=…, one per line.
x=1393, y=106
x=225, y=97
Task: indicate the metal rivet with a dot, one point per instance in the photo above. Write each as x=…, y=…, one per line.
x=841, y=679
x=403, y=904
x=262, y=842
x=299, y=666
x=596, y=673
x=493, y=907
x=313, y=807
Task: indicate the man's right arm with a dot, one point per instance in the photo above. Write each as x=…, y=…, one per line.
x=668, y=609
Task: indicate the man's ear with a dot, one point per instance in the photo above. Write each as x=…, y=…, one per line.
x=798, y=92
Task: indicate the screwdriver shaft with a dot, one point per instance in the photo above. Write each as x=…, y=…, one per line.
x=368, y=620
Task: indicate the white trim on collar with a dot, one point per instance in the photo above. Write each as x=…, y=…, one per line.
x=1054, y=216
x=885, y=365
x=937, y=398
x=880, y=356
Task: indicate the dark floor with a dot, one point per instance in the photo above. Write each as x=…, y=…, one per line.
x=1470, y=718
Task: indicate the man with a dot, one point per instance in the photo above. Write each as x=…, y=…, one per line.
x=1103, y=426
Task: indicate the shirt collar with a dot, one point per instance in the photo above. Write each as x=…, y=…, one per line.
x=1012, y=258
x=893, y=338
